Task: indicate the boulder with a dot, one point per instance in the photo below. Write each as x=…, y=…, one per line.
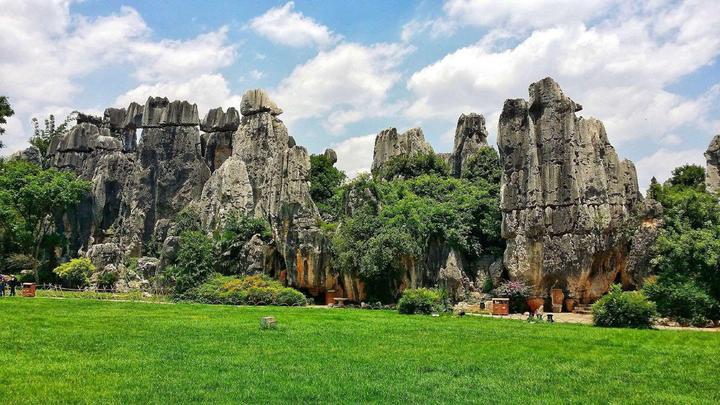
x=565, y=195
x=330, y=155
x=31, y=155
x=712, y=171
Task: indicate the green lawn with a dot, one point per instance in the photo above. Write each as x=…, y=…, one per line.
x=89, y=351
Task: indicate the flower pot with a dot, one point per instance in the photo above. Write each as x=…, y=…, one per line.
x=570, y=304
x=557, y=296
x=535, y=303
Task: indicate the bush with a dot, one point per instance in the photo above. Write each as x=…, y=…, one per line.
x=518, y=293
x=684, y=302
x=623, y=309
x=420, y=301
x=194, y=262
x=76, y=272
x=247, y=290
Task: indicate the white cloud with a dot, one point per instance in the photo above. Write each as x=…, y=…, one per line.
x=522, y=14
x=47, y=51
x=661, y=164
x=618, y=69
x=355, y=154
x=207, y=91
x=286, y=27
x=256, y=74
x=343, y=85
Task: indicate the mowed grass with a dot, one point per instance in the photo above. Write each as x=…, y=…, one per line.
x=85, y=351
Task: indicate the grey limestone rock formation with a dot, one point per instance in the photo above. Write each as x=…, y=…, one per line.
x=565, y=195
x=712, y=171
x=31, y=154
x=257, y=101
x=389, y=144
x=470, y=136
x=219, y=127
x=160, y=112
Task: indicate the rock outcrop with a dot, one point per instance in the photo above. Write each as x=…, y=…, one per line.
x=219, y=127
x=712, y=171
x=470, y=137
x=389, y=144
x=565, y=195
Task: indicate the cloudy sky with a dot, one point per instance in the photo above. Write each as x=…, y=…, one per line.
x=342, y=71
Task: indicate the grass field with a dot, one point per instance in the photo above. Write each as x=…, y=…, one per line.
x=85, y=351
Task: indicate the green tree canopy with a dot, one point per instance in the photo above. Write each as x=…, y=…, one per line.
x=407, y=166
x=43, y=137
x=5, y=112
x=29, y=197
x=325, y=182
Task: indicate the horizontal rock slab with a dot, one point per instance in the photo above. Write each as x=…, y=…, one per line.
x=257, y=101
x=218, y=121
x=160, y=112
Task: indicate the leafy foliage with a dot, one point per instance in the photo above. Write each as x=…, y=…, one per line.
x=247, y=290
x=325, y=181
x=420, y=301
x=683, y=301
x=76, y=272
x=621, y=309
x=483, y=165
x=194, y=262
x=229, y=243
x=687, y=252
x=380, y=240
x=5, y=112
x=43, y=137
x=29, y=198
x=406, y=166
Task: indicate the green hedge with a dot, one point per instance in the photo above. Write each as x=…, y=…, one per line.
x=623, y=309
x=420, y=301
x=248, y=290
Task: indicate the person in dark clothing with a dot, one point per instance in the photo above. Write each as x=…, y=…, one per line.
x=2, y=285
x=13, y=283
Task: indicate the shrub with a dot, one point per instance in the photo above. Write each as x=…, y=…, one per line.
x=518, y=293
x=419, y=301
x=76, y=272
x=623, y=309
x=685, y=302
x=247, y=290
x=194, y=262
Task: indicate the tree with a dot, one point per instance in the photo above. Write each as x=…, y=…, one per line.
x=30, y=197
x=5, y=111
x=42, y=138
x=687, y=251
x=325, y=182
x=483, y=165
x=689, y=176
x=407, y=166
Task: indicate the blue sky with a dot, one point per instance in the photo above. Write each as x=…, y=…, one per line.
x=343, y=71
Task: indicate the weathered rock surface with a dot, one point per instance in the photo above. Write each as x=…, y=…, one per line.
x=389, y=144
x=220, y=127
x=565, y=195
x=470, y=136
x=257, y=101
x=160, y=112
x=330, y=155
x=712, y=171
x=31, y=154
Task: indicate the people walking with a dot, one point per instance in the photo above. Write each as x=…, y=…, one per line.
x=13, y=283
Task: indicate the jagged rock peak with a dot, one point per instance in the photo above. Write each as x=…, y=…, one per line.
x=564, y=195
x=160, y=112
x=470, y=136
x=31, y=154
x=389, y=144
x=86, y=137
x=330, y=155
x=218, y=121
x=712, y=171
x=133, y=116
x=257, y=101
